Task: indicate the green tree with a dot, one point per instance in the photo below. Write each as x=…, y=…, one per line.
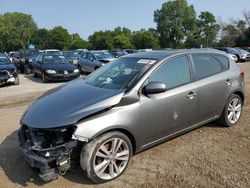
x=59, y=38
x=77, y=42
x=101, y=40
x=41, y=38
x=176, y=20
x=17, y=29
x=207, y=29
x=234, y=34
x=229, y=35
x=144, y=39
x=122, y=42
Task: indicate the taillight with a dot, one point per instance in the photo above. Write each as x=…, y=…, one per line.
x=242, y=73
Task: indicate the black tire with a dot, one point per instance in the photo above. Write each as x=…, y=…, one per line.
x=79, y=68
x=224, y=120
x=238, y=58
x=44, y=78
x=88, y=155
x=17, y=81
x=34, y=74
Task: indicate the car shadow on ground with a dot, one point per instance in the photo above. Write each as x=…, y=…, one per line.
x=18, y=171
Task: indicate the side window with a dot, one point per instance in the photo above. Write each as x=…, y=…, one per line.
x=206, y=65
x=173, y=73
x=40, y=58
x=90, y=57
x=84, y=55
x=223, y=61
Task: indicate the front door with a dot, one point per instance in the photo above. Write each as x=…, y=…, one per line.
x=167, y=113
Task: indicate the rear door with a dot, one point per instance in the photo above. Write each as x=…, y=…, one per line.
x=213, y=83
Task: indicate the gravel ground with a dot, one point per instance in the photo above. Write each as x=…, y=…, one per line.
x=211, y=156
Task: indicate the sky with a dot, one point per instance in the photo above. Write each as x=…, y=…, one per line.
x=87, y=16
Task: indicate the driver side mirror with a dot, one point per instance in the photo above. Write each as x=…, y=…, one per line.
x=154, y=88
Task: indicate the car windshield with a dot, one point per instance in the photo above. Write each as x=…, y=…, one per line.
x=232, y=51
x=4, y=61
x=54, y=59
x=71, y=55
x=242, y=51
x=103, y=55
x=119, y=74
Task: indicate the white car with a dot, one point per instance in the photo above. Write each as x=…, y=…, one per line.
x=233, y=57
x=52, y=51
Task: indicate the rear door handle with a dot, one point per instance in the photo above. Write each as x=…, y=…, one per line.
x=228, y=81
x=191, y=95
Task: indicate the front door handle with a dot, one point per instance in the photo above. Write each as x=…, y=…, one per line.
x=191, y=95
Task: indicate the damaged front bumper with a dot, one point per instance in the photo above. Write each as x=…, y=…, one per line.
x=6, y=77
x=48, y=162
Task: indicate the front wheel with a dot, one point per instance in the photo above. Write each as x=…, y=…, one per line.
x=44, y=78
x=232, y=112
x=106, y=157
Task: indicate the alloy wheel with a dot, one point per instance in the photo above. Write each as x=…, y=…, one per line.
x=234, y=110
x=111, y=158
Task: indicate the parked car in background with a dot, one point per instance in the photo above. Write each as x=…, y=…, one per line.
x=246, y=48
x=8, y=72
x=26, y=60
x=131, y=51
x=13, y=56
x=52, y=51
x=245, y=55
x=80, y=51
x=233, y=57
x=129, y=105
x=72, y=56
x=54, y=67
x=118, y=53
x=241, y=56
x=92, y=60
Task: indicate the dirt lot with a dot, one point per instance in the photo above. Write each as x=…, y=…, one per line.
x=211, y=156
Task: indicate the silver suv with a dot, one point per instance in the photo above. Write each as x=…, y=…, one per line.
x=126, y=106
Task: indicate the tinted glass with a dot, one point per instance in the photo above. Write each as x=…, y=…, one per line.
x=223, y=61
x=103, y=55
x=84, y=55
x=4, y=60
x=54, y=59
x=206, y=65
x=119, y=74
x=173, y=73
x=90, y=57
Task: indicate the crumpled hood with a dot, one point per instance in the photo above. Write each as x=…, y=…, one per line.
x=67, y=104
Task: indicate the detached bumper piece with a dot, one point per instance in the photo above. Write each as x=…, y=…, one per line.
x=56, y=163
x=48, y=152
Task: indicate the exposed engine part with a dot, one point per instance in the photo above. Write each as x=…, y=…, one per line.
x=49, y=151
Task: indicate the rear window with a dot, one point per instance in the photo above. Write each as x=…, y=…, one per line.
x=223, y=61
x=206, y=65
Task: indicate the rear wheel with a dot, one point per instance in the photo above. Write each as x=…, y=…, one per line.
x=106, y=157
x=232, y=112
x=79, y=68
x=34, y=74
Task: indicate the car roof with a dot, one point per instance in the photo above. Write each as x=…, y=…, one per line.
x=161, y=54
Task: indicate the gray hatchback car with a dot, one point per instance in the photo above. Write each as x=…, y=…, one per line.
x=129, y=105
